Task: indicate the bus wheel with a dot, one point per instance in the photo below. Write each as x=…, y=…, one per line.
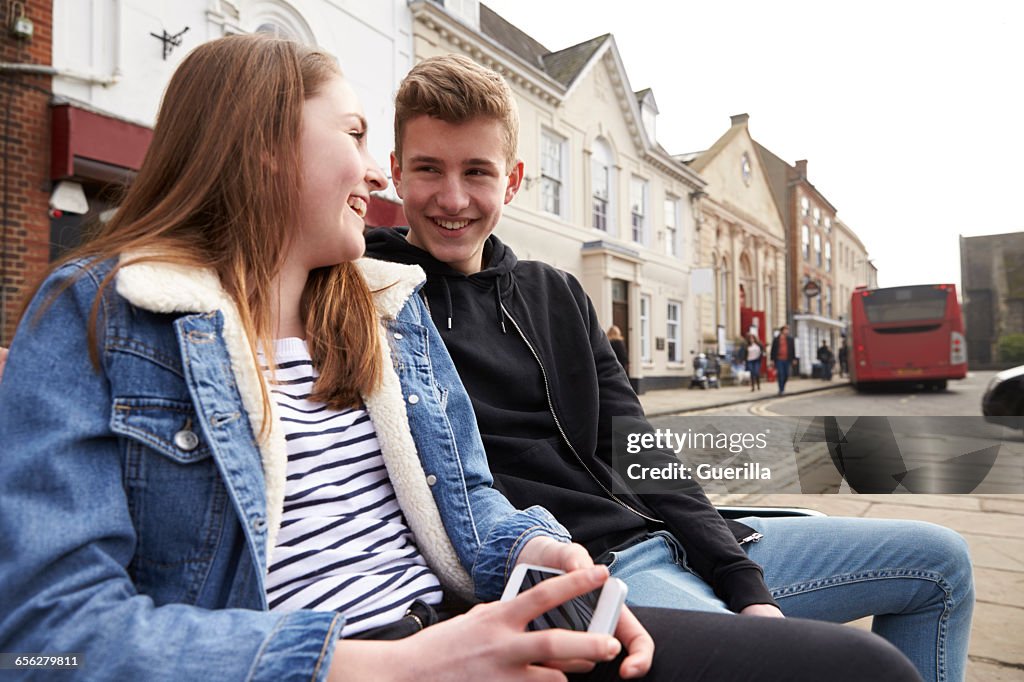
x=938, y=385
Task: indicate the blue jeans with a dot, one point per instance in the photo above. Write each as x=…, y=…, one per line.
x=782, y=369
x=913, y=577
x=754, y=367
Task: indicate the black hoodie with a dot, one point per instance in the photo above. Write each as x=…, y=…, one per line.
x=545, y=385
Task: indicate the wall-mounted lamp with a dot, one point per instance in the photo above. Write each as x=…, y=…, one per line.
x=68, y=197
x=21, y=26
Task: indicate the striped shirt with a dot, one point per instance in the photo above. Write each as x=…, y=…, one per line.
x=344, y=544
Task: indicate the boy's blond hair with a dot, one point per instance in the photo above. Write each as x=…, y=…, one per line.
x=455, y=89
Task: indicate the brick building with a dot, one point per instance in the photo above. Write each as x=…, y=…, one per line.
x=24, y=173
x=812, y=295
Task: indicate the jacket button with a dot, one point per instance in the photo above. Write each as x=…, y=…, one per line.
x=413, y=399
x=186, y=440
x=259, y=524
x=431, y=479
x=398, y=335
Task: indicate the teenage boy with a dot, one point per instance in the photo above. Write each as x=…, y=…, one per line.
x=545, y=385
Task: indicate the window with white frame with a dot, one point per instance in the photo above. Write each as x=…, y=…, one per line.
x=673, y=331
x=552, y=172
x=828, y=256
x=645, y=328
x=638, y=209
x=279, y=19
x=805, y=206
x=805, y=242
x=602, y=181
x=828, y=300
x=817, y=216
x=817, y=249
x=671, y=226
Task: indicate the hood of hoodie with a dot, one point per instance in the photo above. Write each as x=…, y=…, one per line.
x=391, y=244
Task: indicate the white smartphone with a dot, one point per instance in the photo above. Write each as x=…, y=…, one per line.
x=597, y=611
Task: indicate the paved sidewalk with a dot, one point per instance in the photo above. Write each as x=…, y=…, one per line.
x=676, y=400
x=992, y=524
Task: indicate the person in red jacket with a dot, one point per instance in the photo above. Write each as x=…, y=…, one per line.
x=782, y=355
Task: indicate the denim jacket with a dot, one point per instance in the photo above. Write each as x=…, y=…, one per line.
x=138, y=503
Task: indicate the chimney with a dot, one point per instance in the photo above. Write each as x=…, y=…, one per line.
x=739, y=119
x=801, y=169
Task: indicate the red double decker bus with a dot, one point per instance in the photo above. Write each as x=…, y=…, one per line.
x=912, y=334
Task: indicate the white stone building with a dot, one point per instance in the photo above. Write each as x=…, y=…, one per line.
x=602, y=199
x=112, y=60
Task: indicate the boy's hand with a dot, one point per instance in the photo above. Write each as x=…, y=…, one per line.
x=764, y=610
x=545, y=551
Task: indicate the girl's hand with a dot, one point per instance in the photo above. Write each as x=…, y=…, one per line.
x=490, y=642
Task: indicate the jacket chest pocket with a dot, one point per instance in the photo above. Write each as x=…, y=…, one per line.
x=409, y=344
x=176, y=497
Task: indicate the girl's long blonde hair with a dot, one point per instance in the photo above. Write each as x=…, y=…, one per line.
x=219, y=189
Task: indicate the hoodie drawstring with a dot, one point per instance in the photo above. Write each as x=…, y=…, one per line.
x=497, y=304
x=447, y=300
x=450, y=311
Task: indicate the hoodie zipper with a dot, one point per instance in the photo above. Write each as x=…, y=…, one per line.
x=558, y=424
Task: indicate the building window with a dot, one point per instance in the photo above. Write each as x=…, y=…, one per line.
x=638, y=209
x=552, y=171
x=817, y=249
x=600, y=212
x=828, y=256
x=645, y=328
x=805, y=206
x=673, y=340
x=671, y=226
x=805, y=242
x=828, y=224
x=828, y=300
x=279, y=19
x=602, y=186
x=817, y=216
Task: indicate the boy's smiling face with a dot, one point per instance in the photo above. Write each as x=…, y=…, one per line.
x=454, y=182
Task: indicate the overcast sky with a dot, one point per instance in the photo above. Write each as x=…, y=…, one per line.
x=910, y=113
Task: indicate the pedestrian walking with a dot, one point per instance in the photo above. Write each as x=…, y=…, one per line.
x=782, y=353
x=618, y=343
x=754, y=353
